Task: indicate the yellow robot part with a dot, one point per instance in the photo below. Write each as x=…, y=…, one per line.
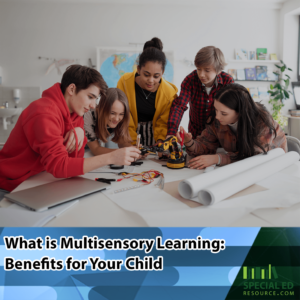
x=175, y=166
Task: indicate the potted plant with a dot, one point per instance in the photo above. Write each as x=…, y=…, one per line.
x=279, y=93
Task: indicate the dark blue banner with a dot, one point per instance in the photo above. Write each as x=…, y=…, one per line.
x=128, y=263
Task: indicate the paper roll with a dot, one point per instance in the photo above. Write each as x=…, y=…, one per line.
x=221, y=190
x=190, y=188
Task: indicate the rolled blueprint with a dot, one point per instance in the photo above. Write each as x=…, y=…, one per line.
x=190, y=188
x=223, y=189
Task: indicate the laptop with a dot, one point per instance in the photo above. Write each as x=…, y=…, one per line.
x=43, y=197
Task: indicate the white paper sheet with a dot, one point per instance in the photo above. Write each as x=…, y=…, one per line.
x=158, y=208
x=145, y=198
x=281, y=217
x=194, y=217
x=149, y=197
x=18, y=216
x=283, y=193
x=223, y=189
x=190, y=188
x=280, y=178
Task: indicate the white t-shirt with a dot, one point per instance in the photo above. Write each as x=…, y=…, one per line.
x=208, y=89
x=90, y=123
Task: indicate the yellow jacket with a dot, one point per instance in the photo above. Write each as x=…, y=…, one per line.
x=165, y=95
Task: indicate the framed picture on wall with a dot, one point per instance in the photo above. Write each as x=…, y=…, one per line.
x=113, y=62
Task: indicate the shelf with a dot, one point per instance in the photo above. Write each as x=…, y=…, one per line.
x=254, y=61
x=256, y=80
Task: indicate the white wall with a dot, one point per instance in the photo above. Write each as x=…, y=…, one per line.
x=289, y=33
x=286, y=9
x=290, y=51
x=28, y=94
x=74, y=30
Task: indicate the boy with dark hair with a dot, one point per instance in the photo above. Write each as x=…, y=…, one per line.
x=198, y=89
x=36, y=143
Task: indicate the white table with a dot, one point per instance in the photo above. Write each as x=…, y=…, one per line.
x=98, y=210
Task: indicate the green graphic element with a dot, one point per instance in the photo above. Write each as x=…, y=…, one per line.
x=259, y=271
x=271, y=269
x=274, y=272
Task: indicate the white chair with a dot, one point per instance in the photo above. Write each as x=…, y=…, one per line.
x=293, y=144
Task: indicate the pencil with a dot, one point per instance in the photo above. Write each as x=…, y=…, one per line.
x=138, y=139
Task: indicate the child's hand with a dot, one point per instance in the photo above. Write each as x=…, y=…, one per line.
x=141, y=156
x=70, y=139
x=187, y=136
x=124, y=156
x=203, y=161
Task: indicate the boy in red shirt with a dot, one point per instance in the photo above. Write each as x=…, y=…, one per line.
x=198, y=89
x=36, y=143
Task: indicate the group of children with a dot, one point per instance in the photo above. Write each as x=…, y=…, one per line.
x=51, y=132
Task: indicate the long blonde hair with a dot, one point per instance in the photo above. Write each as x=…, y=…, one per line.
x=103, y=110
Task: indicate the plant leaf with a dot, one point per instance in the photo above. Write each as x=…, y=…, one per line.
x=282, y=69
x=290, y=69
x=281, y=61
x=287, y=82
x=276, y=73
x=278, y=66
x=278, y=97
x=274, y=93
x=286, y=94
x=271, y=86
x=278, y=86
x=287, y=76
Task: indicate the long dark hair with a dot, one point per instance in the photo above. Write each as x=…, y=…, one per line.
x=153, y=52
x=250, y=115
x=103, y=110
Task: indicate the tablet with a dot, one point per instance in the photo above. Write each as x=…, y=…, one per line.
x=43, y=197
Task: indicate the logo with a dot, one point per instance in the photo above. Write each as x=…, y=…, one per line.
x=266, y=282
x=259, y=273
